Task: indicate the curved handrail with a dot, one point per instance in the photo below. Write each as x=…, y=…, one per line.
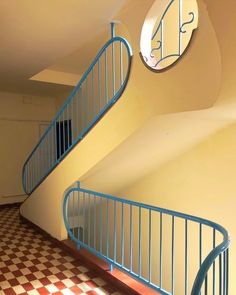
x=79, y=196
x=209, y=261
x=63, y=134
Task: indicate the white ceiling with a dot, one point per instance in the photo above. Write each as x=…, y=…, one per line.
x=37, y=34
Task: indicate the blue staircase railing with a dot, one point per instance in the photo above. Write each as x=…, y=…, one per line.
x=172, y=252
x=100, y=87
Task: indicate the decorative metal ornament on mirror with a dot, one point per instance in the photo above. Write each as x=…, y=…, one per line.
x=167, y=32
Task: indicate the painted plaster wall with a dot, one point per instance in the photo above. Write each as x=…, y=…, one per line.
x=23, y=119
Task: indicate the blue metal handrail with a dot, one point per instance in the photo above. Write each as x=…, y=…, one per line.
x=100, y=222
x=99, y=88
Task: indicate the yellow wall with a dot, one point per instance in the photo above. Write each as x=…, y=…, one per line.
x=23, y=119
x=199, y=182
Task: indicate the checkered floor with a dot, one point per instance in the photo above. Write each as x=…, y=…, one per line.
x=30, y=264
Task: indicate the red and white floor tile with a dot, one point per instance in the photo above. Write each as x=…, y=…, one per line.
x=31, y=264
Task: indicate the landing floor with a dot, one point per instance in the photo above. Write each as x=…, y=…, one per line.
x=31, y=264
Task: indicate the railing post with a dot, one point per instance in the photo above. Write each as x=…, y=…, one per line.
x=113, y=33
x=111, y=267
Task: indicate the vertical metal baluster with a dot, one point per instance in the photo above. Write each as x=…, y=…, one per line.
x=53, y=148
x=72, y=120
x=114, y=231
x=68, y=121
x=59, y=139
x=200, y=248
x=83, y=216
x=227, y=271
x=36, y=169
x=51, y=145
x=131, y=239
x=93, y=96
x=54, y=145
x=30, y=175
x=77, y=113
x=180, y=24
x=82, y=110
x=32, y=159
x=73, y=214
x=33, y=169
x=32, y=172
x=206, y=285
x=186, y=257
x=107, y=228
x=55, y=156
x=162, y=38
x=220, y=274
x=113, y=69
x=89, y=222
x=95, y=221
x=27, y=176
x=173, y=256
x=78, y=216
x=37, y=166
x=213, y=271
x=42, y=160
x=99, y=86
x=106, y=77
x=68, y=212
x=43, y=164
x=150, y=247
x=140, y=243
x=101, y=225
x=121, y=63
x=47, y=155
x=122, y=235
x=87, y=102
x=50, y=151
x=160, y=271
x=64, y=134
x=224, y=273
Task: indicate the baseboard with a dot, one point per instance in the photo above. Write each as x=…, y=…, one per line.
x=16, y=204
x=122, y=281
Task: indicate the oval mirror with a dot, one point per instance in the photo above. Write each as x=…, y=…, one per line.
x=167, y=32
